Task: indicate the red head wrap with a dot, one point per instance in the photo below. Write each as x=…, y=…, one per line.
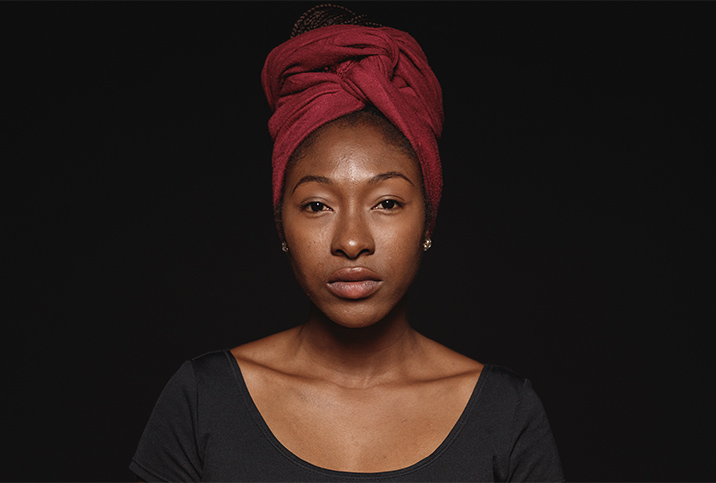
x=321, y=75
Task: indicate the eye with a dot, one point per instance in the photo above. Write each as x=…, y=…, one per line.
x=389, y=205
x=315, y=206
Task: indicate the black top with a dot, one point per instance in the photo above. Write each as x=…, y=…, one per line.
x=205, y=427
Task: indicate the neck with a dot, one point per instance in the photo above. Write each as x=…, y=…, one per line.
x=357, y=357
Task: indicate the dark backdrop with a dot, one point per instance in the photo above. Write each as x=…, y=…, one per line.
x=570, y=244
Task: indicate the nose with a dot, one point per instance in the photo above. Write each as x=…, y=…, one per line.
x=352, y=237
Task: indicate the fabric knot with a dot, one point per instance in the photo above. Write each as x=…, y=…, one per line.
x=321, y=75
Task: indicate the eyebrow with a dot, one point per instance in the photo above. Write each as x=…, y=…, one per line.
x=375, y=179
x=388, y=175
x=310, y=177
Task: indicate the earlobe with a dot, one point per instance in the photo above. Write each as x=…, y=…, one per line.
x=427, y=240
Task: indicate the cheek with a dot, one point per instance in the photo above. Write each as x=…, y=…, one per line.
x=405, y=249
x=308, y=259
x=299, y=233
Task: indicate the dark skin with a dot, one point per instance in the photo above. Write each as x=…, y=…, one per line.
x=355, y=388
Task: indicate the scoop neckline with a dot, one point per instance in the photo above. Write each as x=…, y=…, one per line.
x=264, y=428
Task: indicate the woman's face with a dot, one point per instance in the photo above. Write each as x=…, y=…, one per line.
x=353, y=218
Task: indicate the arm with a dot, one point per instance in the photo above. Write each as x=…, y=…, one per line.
x=167, y=450
x=534, y=455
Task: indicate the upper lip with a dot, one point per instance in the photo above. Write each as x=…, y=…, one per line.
x=353, y=274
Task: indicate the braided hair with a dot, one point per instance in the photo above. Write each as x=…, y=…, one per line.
x=328, y=14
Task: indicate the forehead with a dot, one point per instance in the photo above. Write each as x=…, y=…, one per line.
x=345, y=151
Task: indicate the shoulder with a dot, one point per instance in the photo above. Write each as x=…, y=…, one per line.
x=510, y=412
x=533, y=454
x=505, y=379
x=194, y=376
x=210, y=363
x=195, y=371
x=505, y=388
x=512, y=403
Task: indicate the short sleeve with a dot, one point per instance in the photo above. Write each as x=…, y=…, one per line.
x=534, y=455
x=168, y=449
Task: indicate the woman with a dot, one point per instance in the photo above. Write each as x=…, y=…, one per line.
x=354, y=393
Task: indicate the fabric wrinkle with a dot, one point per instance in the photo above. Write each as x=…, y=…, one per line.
x=321, y=75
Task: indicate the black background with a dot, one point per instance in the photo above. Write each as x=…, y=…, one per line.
x=571, y=243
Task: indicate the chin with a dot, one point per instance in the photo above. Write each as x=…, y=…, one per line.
x=356, y=314
x=355, y=324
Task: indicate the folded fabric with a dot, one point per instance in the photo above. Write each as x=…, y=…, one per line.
x=321, y=75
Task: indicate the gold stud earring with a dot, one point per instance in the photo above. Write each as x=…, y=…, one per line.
x=427, y=244
x=284, y=247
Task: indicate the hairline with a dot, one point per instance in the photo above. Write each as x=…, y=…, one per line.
x=371, y=116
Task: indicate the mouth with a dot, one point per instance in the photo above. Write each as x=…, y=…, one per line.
x=354, y=283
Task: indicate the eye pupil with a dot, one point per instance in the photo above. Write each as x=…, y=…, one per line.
x=388, y=204
x=316, y=206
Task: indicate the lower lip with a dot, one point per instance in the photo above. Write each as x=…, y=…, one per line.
x=354, y=290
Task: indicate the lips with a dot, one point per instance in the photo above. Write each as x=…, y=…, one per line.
x=354, y=283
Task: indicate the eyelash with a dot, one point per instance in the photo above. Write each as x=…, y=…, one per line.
x=322, y=206
x=396, y=204
x=314, y=204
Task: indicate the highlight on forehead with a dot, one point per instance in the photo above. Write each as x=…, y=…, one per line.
x=368, y=116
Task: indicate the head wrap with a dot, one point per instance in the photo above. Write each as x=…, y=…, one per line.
x=321, y=75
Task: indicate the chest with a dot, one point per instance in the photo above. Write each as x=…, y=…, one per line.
x=362, y=430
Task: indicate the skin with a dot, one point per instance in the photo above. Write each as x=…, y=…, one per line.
x=355, y=388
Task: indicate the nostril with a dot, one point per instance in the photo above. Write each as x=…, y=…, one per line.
x=353, y=256
x=352, y=238
x=353, y=251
